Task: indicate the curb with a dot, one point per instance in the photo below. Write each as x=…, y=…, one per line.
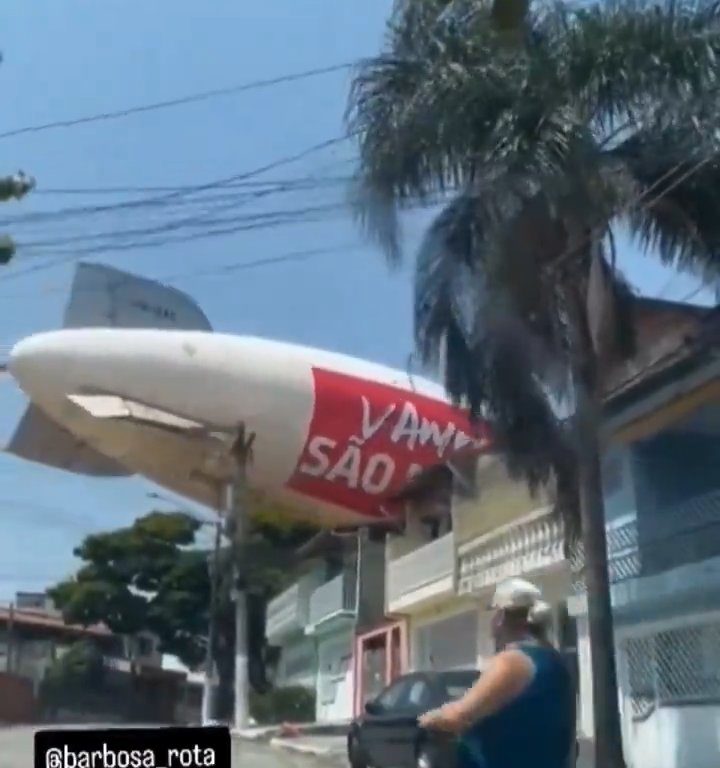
x=255, y=734
x=302, y=749
x=271, y=732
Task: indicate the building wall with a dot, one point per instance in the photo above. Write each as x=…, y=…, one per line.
x=677, y=737
x=499, y=500
x=670, y=692
x=586, y=720
x=18, y=704
x=667, y=637
x=335, y=691
x=371, y=583
x=618, y=483
x=298, y=662
x=444, y=636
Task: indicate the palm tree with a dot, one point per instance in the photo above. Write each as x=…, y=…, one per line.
x=540, y=129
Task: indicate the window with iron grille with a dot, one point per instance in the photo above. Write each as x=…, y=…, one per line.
x=673, y=667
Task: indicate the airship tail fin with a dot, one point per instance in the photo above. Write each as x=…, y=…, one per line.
x=102, y=297
x=39, y=439
x=105, y=297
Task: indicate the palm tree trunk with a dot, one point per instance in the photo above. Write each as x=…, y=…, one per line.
x=606, y=705
x=607, y=731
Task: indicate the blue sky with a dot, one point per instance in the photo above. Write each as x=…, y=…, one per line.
x=64, y=60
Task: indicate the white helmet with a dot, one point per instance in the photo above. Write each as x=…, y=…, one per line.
x=516, y=593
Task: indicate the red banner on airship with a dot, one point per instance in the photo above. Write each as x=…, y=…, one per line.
x=367, y=440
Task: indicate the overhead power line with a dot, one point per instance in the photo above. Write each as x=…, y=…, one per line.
x=219, y=269
x=218, y=221
x=177, y=102
x=187, y=191
x=145, y=189
x=255, y=220
x=238, y=192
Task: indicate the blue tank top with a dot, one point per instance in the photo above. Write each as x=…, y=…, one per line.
x=536, y=730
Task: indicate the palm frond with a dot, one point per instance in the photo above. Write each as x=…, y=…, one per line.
x=428, y=115
x=673, y=161
x=620, y=55
x=484, y=258
x=494, y=362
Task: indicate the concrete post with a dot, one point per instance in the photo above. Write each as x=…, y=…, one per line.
x=209, y=683
x=242, y=455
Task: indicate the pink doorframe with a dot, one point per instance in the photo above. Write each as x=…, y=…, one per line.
x=392, y=629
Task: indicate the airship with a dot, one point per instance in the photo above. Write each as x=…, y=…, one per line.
x=137, y=382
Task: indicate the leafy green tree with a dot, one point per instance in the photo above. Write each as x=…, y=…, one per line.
x=539, y=129
x=80, y=666
x=152, y=576
x=76, y=673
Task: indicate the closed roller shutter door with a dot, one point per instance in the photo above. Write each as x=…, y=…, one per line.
x=447, y=644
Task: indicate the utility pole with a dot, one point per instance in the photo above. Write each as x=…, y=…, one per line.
x=10, y=659
x=209, y=687
x=241, y=455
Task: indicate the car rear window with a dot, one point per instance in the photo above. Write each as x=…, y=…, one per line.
x=457, y=685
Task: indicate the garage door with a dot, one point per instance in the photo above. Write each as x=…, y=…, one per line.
x=448, y=644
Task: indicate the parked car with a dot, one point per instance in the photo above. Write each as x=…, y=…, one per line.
x=388, y=734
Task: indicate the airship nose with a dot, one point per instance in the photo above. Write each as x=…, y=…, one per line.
x=33, y=361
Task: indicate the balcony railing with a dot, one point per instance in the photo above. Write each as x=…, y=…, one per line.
x=289, y=611
x=662, y=539
x=430, y=564
x=335, y=598
x=530, y=543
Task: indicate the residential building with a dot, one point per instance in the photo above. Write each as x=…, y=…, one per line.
x=31, y=638
x=286, y=621
x=660, y=483
x=440, y=627
x=662, y=504
x=33, y=635
x=315, y=621
x=663, y=516
x=505, y=532
x=382, y=651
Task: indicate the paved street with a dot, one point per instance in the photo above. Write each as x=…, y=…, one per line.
x=16, y=751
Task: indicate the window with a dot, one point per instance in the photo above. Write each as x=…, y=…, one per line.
x=458, y=684
x=418, y=695
x=391, y=697
x=673, y=666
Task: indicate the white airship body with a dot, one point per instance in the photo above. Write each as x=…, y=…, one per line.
x=138, y=383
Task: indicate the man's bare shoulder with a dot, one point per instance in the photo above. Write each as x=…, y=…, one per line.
x=512, y=662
